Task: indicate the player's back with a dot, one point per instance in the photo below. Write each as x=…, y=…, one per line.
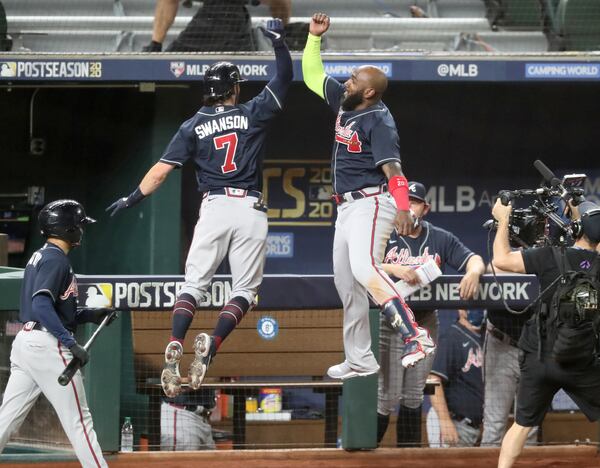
x=226, y=143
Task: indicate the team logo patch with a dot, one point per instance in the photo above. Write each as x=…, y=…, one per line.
x=346, y=135
x=585, y=265
x=8, y=69
x=71, y=290
x=267, y=327
x=97, y=295
x=177, y=68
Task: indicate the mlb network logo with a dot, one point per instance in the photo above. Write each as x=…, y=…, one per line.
x=96, y=295
x=8, y=69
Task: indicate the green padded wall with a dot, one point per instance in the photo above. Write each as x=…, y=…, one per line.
x=359, y=405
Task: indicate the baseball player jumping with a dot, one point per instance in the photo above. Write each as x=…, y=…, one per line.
x=46, y=344
x=226, y=140
x=372, y=196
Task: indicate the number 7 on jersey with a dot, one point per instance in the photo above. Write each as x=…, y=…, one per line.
x=229, y=142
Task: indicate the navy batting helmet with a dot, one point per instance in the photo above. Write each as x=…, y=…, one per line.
x=64, y=219
x=220, y=79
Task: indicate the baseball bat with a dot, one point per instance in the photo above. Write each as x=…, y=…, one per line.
x=75, y=363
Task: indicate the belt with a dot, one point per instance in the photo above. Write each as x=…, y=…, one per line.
x=467, y=421
x=28, y=326
x=340, y=198
x=501, y=336
x=233, y=192
x=197, y=409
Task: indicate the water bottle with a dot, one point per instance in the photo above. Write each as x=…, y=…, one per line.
x=127, y=436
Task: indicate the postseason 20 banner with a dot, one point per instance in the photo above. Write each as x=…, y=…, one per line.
x=417, y=67
x=287, y=292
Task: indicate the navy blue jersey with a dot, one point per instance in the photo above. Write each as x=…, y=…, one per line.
x=433, y=242
x=458, y=361
x=49, y=272
x=226, y=143
x=364, y=140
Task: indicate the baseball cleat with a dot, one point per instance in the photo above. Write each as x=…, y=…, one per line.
x=204, y=349
x=343, y=371
x=170, y=378
x=417, y=348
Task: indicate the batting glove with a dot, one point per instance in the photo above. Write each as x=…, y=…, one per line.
x=274, y=31
x=80, y=353
x=126, y=202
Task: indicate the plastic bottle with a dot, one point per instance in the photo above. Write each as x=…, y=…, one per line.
x=127, y=436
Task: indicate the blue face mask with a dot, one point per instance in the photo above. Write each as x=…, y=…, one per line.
x=475, y=317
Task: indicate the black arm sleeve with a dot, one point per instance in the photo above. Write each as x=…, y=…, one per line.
x=280, y=83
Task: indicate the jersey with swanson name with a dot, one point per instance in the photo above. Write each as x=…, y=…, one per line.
x=226, y=143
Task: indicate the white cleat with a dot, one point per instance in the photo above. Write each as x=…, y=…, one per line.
x=203, y=345
x=417, y=348
x=343, y=371
x=170, y=378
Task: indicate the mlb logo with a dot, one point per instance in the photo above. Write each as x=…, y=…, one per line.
x=177, y=68
x=96, y=295
x=8, y=69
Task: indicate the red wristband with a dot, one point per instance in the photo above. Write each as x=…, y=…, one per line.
x=398, y=186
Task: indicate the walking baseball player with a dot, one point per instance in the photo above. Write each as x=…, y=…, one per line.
x=372, y=196
x=226, y=140
x=46, y=344
x=403, y=254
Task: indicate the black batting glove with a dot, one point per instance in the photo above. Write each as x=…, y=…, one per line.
x=274, y=31
x=80, y=353
x=126, y=202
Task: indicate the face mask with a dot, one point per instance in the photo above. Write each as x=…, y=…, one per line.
x=475, y=317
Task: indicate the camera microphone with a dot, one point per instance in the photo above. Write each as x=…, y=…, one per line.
x=547, y=174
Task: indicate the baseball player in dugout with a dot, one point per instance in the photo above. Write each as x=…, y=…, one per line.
x=405, y=253
x=372, y=197
x=46, y=344
x=226, y=141
x=559, y=344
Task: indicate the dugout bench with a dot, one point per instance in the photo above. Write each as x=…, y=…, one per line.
x=309, y=342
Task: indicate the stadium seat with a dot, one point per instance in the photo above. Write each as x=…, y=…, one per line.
x=578, y=23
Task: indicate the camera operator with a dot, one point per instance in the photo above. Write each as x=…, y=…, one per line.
x=542, y=372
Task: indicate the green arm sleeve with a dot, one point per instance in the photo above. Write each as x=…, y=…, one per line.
x=313, y=71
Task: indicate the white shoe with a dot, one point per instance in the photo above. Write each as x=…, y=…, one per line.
x=417, y=348
x=170, y=378
x=203, y=347
x=343, y=371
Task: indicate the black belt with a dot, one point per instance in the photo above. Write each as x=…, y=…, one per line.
x=501, y=336
x=198, y=409
x=467, y=421
x=233, y=192
x=340, y=198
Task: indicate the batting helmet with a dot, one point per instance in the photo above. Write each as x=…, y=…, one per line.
x=64, y=219
x=220, y=79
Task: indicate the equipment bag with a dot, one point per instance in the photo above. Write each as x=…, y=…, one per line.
x=574, y=316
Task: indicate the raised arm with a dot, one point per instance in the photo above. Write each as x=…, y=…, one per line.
x=280, y=83
x=313, y=70
x=505, y=258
